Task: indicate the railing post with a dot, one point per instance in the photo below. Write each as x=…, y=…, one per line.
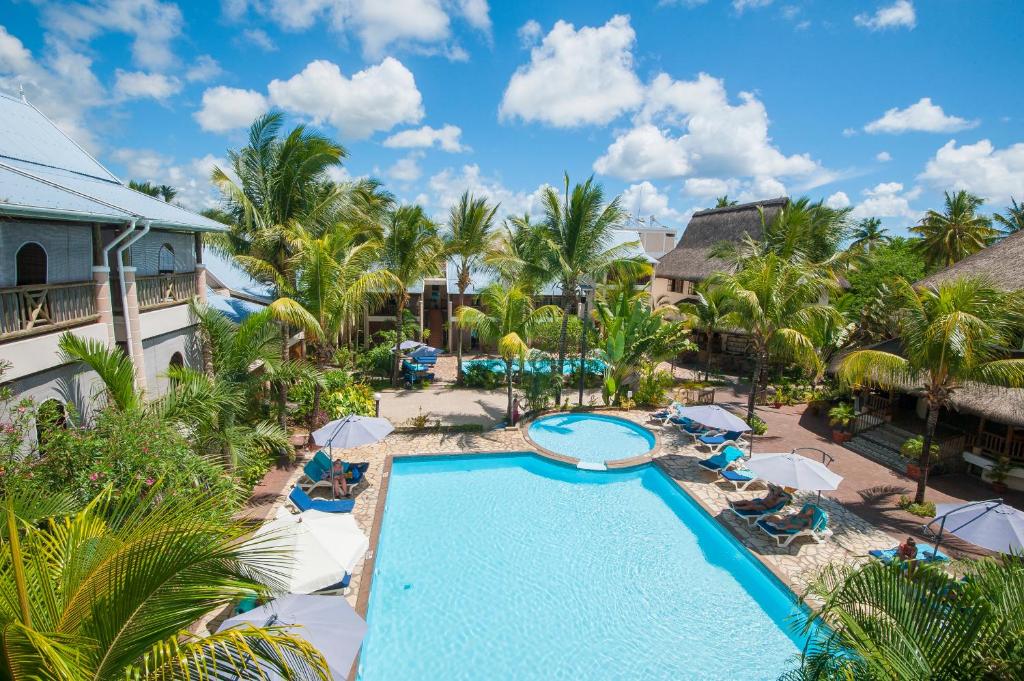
x=135, y=351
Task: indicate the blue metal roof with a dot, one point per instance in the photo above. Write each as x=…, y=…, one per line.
x=231, y=275
x=234, y=309
x=45, y=174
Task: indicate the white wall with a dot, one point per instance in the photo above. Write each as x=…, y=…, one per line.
x=68, y=250
x=158, y=351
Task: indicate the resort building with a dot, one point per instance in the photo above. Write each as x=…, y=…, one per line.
x=679, y=271
x=81, y=252
x=986, y=424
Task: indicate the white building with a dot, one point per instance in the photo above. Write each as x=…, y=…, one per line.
x=81, y=252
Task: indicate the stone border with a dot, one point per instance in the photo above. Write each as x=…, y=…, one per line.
x=611, y=464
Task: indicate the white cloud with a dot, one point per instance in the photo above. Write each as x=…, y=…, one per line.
x=259, y=38
x=883, y=157
x=757, y=188
x=838, y=200
x=529, y=33
x=980, y=168
x=716, y=138
x=374, y=99
x=226, y=108
x=191, y=179
x=152, y=24
x=741, y=5
x=708, y=187
x=405, y=169
x=576, y=77
x=645, y=199
x=140, y=85
x=887, y=200
x=476, y=13
x=448, y=185
x=899, y=14
x=849, y=132
x=63, y=84
x=446, y=138
x=924, y=116
x=423, y=26
x=205, y=68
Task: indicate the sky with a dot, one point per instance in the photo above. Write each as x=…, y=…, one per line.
x=880, y=105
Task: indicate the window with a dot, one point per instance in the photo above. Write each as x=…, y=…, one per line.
x=166, y=260
x=177, y=361
x=31, y=265
x=51, y=414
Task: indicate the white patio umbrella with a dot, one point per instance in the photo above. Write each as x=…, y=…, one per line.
x=713, y=416
x=410, y=345
x=425, y=351
x=793, y=470
x=320, y=547
x=352, y=431
x=990, y=524
x=328, y=622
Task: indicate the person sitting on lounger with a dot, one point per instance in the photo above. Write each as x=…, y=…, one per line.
x=770, y=500
x=342, y=473
x=794, y=521
x=907, y=550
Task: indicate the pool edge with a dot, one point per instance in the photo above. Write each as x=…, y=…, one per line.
x=631, y=462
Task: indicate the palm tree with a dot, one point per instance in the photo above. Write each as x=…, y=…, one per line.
x=283, y=190
x=868, y=235
x=578, y=228
x=954, y=334
x=110, y=591
x=957, y=232
x=707, y=314
x=724, y=201
x=509, y=320
x=1013, y=220
x=167, y=192
x=114, y=368
x=520, y=254
x=888, y=622
x=470, y=238
x=144, y=187
x=777, y=302
x=411, y=250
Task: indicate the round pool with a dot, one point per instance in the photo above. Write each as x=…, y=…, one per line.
x=591, y=437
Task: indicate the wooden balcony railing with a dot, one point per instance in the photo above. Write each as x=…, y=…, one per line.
x=29, y=310
x=165, y=289
x=997, y=446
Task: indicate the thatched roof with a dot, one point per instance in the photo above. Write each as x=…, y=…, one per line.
x=1005, y=405
x=689, y=259
x=1000, y=263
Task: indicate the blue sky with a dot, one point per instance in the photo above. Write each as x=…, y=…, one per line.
x=880, y=105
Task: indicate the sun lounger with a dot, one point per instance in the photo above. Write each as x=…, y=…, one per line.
x=722, y=460
x=716, y=442
x=925, y=554
x=815, y=528
x=303, y=502
x=752, y=515
x=315, y=474
x=741, y=478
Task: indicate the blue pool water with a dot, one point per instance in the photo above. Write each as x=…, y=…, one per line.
x=594, y=366
x=591, y=437
x=514, y=567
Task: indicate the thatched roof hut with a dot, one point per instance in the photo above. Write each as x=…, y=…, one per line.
x=1000, y=263
x=689, y=260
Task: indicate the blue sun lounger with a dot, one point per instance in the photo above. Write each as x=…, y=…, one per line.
x=304, y=502
x=925, y=554
x=722, y=460
x=752, y=515
x=741, y=478
x=816, y=528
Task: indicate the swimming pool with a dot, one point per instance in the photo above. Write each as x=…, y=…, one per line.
x=516, y=567
x=591, y=437
x=594, y=366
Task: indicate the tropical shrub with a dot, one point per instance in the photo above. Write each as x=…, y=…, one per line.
x=757, y=425
x=122, y=450
x=341, y=396
x=481, y=376
x=925, y=510
x=912, y=448
x=841, y=415
x=376, y=361
x=652, y=389
x=538, y=389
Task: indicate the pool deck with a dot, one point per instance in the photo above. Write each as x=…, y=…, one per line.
x=853, y=537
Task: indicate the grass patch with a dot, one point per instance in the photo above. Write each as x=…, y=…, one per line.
x=439, y=428
x=925, y=510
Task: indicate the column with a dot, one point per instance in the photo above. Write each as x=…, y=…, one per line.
x=104, y=308
x=421, y=312
x=134, y=325
x=366, y=326
x=201, y=282
x=451, y=327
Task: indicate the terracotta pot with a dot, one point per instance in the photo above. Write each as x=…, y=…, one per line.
x=913, y=471
x=999, y=487
x=840, y=436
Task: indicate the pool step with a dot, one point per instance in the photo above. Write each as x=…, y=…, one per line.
x=591, y=466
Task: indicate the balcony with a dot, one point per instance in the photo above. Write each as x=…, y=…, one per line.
x=31, y=310
x=164, y=290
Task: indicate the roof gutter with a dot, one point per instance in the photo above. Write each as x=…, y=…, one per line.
x=35, y=212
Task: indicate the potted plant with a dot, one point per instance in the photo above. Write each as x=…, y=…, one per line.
x=998, y=473
x=840, y=417
x=911, y=451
